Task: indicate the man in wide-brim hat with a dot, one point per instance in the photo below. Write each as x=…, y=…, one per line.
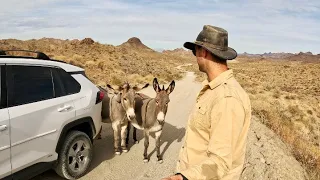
x=216, y=133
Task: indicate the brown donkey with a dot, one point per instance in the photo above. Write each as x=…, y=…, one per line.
x=121, y=109
x=150, y=116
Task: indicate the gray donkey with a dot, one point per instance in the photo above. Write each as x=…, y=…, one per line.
x=121, y=109
x=150, y=116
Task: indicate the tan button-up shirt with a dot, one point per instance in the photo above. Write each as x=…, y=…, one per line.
x=216, y=133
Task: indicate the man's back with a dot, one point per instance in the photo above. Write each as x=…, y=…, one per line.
x=239, y=93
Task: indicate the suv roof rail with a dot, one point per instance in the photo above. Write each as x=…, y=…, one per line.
x=40, y=55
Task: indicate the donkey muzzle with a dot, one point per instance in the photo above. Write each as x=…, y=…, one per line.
x=160, y=116
x=130, y=114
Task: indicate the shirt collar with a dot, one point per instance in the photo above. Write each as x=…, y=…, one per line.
x=218, y=80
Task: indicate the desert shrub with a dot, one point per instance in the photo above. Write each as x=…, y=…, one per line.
x=276, y=95
x=309, y=112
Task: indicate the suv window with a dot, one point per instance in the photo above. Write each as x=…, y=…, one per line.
x=3, y=87
x=58, y=85
x=68, y=83
x=28, y=84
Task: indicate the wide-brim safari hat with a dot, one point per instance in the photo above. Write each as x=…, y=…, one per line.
x=215, y=40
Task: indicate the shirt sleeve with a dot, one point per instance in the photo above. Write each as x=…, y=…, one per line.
x=227, y=118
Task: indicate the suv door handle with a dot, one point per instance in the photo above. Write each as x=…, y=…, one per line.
x=3, y=127
x=66, y=107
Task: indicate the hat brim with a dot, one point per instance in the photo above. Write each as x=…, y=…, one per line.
x=229, y=54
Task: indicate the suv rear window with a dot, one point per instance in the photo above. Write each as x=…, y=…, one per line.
x=68, y=84
x=28, y=84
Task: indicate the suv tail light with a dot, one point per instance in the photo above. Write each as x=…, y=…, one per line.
x=100, y=96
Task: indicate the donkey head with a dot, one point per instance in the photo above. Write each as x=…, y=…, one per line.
x=126, y=96
x=162, y=99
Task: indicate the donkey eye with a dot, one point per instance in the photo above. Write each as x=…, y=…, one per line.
x=125, y=99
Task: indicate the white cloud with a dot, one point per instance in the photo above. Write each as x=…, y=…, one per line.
x=253, y=26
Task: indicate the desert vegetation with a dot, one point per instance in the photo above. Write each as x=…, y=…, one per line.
x=284, y=90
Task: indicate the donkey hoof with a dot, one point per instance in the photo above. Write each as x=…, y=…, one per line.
x=124, y=149
x=160, y=161
x=117, y=153
x=136, y=142
x=146, y=160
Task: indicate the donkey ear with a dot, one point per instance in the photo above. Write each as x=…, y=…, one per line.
x=102, y=89
x=156, y=85
x=110, y=88
x=171, y=87
x=118, y=97
x=138, y=88
x=120, y=88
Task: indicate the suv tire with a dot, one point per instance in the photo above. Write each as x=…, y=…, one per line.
x=75, y=155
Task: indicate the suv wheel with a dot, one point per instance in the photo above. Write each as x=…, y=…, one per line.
x=75, y=155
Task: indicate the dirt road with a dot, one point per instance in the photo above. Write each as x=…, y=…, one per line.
x=267, y=156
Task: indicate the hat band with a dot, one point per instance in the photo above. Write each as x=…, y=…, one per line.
x=221, y=48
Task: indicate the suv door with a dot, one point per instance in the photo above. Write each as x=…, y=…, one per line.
x=5, y=163
x=38, y=109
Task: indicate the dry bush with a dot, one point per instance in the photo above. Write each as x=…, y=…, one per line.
x=276, y=95
x=309, y=112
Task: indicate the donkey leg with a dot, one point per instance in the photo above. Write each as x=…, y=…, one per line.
x=128, y=133
x=135, y=135
x=116, y=128
x=99, y=135
x=158, y=134
x=146, y=144
x=123, y=138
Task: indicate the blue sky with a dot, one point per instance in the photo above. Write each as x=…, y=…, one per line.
x=254, y=26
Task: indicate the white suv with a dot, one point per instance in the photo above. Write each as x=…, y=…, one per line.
x=50, y=114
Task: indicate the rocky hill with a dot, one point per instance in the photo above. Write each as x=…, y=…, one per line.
x=132, y=61
x=301, y=56
x=135, y=43
x=305, y=57
x=179, y=52
x=267, y=55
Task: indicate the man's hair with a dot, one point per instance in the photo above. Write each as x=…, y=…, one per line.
x=217, y=59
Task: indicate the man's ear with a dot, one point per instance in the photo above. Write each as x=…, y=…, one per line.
x=206, y=53
x=202, y=52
